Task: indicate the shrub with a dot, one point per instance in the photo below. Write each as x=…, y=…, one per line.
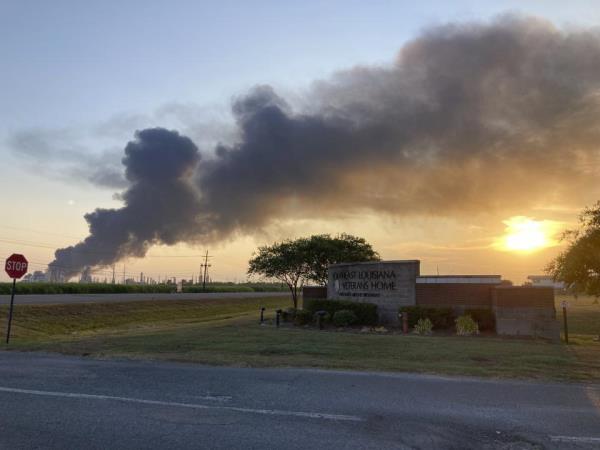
x=303, y=317
x=423, y=327
x=485, y=318
x=466, y=326
x=344, y=318
x=288, y=315
x=441, y=318
x=366, y=313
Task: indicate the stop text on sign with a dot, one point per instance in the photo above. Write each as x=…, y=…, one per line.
x=17, y=266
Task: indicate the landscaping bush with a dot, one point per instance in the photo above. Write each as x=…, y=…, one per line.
x=441, y=318
x=466, y=326
x=423, y=327
x=366, y=313
x=485, y=318
x=303, y=317
x=288, y=315
x=344, y=318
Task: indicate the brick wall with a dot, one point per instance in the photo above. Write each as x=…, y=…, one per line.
x=524, y=297
x=459, y=295
x=526, y=311
x=314, y=292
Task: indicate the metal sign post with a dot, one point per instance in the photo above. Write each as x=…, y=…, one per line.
x=564, y=305
x=10, y=310
x=15, y=266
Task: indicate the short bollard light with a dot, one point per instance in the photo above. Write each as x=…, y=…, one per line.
x=320, y=318
x=262, y=315
x=277, y=317
x=403, y=317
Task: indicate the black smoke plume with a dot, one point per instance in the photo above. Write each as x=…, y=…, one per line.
x=469, y=118
x=161, y=205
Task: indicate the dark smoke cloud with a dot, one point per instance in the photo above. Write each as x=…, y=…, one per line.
x=161, y=205
x=469, y=118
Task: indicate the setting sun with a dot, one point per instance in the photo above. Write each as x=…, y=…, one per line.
x=527, y=235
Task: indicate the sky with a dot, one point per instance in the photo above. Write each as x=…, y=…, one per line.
x=79, y=78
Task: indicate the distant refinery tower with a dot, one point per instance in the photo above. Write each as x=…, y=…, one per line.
x=55, y=275
x=86, y=275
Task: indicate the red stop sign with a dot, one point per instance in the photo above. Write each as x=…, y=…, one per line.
x=16, y=265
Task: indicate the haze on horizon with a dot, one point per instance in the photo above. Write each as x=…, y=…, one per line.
x=463, y=138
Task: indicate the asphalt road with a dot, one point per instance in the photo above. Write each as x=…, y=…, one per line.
x=52, y=299
x=54, y=401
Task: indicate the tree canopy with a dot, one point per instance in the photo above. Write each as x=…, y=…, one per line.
x=295, y=262
x=284, y=261
x=579, y=265
x=323, y=250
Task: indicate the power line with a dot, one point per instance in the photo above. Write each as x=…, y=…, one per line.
x=27, y=243
x=108, y=271
x=205, y=266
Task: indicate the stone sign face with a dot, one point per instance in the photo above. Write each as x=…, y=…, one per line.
x=388, y=284
x=363, y=283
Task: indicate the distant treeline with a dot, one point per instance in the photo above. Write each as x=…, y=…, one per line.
x=107, y=288
x=237, y=287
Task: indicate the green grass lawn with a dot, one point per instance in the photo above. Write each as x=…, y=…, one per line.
x=227, y=332
x=40, y=323
x=583, y=316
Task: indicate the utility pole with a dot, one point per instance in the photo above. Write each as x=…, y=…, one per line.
x=123, y=273
x=113, y=277
x=205, y=266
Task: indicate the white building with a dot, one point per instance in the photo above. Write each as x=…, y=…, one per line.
x=545, y=281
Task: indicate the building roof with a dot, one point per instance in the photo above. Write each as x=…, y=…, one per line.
x=396, y=261
x=459, y=279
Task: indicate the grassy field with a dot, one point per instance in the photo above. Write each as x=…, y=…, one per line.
x=226, y=332
x=109, y=288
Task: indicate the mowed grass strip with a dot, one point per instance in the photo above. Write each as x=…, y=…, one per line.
x=226, y=332
x=583, y=315
x=41, y=322
x=243, y=342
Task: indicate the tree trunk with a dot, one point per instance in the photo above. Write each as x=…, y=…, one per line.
x=295, y=297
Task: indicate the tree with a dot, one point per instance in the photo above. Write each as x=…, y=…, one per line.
x=306, y=259
x=324, y=250
x=579, y=265
x=284, y=261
